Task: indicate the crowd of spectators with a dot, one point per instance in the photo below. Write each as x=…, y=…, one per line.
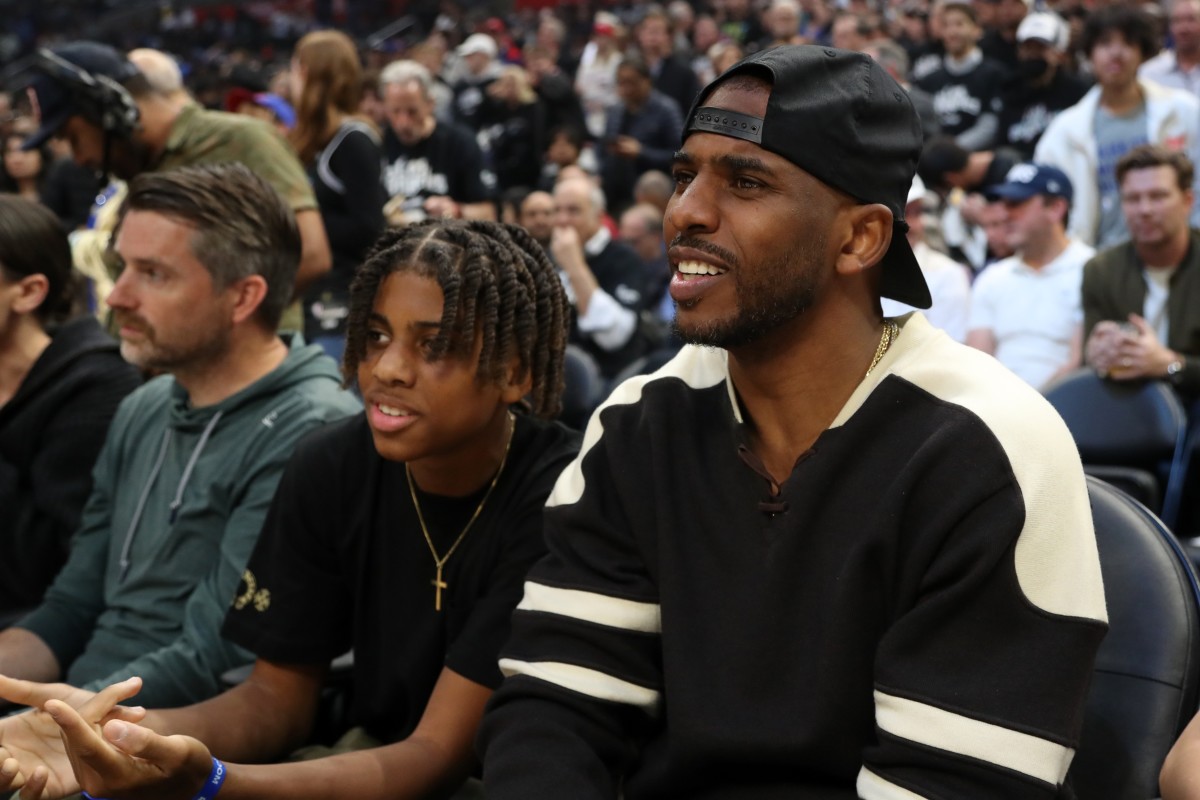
x=1052, y=215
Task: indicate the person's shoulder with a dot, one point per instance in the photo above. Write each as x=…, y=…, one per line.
x=1112, y=261
x=984, y=391
x=996, y=274
x=336, y=442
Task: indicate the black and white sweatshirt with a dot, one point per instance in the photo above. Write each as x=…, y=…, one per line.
x=914, y=615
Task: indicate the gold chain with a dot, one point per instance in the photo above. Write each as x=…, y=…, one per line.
x=440, y=561
x=890, y=331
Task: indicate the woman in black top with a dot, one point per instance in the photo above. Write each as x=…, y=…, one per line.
x=342, y=155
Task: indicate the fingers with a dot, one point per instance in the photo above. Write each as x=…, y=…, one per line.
x=144, y=743
x=36, y=785
x=29, y=693
x=105, y=701
x=79, y=735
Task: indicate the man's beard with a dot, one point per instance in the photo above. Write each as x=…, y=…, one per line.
x=774, y=294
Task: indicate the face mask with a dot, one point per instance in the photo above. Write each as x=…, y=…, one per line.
x=1032, y=68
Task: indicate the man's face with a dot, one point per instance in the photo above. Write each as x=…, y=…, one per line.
x=783, y=22
x=1027, y=220
x=1115, y=60
x=632, y=86
x=170, y=315
x=408, y=111
x=1156, y=209
x=127, y=158
x=1185, y=25
x=845, y=34
x=654, y=37
x=537, y=216
x=959, y=32
x=573, y=208
x=1009, y=14
x=747, y=234
x=634, y=231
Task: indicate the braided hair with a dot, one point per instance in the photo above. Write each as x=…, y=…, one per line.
x=498, y=283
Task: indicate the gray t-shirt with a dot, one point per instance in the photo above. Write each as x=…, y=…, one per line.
x=1115, y=136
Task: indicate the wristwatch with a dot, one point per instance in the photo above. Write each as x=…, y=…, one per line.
x=1175, y=370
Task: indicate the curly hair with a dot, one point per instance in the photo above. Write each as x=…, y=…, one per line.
x=498, y=284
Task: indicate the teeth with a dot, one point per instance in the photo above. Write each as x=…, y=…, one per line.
x=391, y=412
x=698, y=268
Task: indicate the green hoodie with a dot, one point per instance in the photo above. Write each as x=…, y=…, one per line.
x=179, y=498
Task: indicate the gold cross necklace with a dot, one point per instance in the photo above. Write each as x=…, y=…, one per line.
x=440, y=561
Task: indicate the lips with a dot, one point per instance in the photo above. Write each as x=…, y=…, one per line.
x=386, y=415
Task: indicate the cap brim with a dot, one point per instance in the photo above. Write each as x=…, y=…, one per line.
x=46, y=130
x=1010, y=191
x=902, y=279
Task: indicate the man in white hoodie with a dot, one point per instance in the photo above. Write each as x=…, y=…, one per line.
x=1121, y=112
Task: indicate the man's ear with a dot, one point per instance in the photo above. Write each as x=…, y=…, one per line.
x=870, y=237
x=517, y=383
x=31, y=292
x=248, y=295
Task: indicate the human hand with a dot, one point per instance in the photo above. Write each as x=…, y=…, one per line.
x=1140, y=354
x=565, y=245
x=31, y=786
x=124, y=761
x=442, y=206
x=626, y=147
x=32, y=740
x=972, y=207
x=1103, y=344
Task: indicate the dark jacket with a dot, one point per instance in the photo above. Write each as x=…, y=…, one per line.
x=676, y=80
x=1114, y=288
x=657, y=125
x=50, y=433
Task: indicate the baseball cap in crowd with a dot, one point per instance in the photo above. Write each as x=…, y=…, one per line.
x=478, y=43
x=1045, y=27
x=1024, y=181
x=841, y=118
x=281, y=108
x=917, y=190
x=68, y=80
x=605, y=24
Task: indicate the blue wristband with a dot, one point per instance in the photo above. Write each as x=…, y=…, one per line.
x=213, y=785
x=207, y=792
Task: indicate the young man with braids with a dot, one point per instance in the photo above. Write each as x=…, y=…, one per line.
x=405, y=534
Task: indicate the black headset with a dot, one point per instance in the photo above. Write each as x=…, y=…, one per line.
x=99, y=98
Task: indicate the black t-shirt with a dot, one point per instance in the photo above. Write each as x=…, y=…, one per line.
x=960, y=100
x=1027, y=110
x=448, y=163
x=342, y=564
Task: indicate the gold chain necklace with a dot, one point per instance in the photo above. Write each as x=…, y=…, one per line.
x=890, y=331
x=440, y=561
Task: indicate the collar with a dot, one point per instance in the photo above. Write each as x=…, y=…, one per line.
x=595, y=245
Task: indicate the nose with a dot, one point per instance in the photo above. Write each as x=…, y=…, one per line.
x=122, y=295
x=694, y=209
x=395, y=365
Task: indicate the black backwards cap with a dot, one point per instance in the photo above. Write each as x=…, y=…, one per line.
x=838, y=116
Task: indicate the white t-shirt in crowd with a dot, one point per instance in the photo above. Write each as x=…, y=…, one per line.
x=1032, y=313
x=949, y=287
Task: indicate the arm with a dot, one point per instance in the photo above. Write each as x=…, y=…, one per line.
x=954, y=717
x=1180, y=778
x=582, y=669
x=188, y=669
x=357, y=163
x=980, y=135
x=433, y=760
x=315, y=256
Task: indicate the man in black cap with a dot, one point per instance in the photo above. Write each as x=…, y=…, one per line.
x=118, y=123
x=823, y=553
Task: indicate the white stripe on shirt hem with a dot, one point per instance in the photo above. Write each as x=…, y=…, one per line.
x=872, y=787
x=935, y=727
x=601, y=609
x=585, y=681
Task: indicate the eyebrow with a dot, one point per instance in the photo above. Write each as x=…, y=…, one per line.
x=730, y=161
x=375, y=316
